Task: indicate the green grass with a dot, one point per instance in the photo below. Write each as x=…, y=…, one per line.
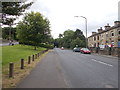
x=16, y=52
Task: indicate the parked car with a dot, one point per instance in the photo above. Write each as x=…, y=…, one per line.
x=85, y=50
x=76, y=49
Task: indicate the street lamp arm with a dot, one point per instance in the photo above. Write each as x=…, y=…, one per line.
x=85, y=26
x=76, y=16
x=83, y=17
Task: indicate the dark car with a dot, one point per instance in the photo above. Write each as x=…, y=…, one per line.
x=76, y=49
x=85, y=50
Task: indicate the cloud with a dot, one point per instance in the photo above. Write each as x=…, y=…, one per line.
x=61, y=13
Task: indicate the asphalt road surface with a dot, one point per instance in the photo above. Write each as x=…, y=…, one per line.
x=7, y=44
x=67, y=69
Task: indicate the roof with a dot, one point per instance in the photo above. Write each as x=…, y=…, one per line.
x=108, y=29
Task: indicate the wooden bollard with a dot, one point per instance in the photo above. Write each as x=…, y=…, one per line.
x=33, y=57
x=28, y=59
x=22, y=63
x=38, y=54
x=43, y=51
x=11, y=67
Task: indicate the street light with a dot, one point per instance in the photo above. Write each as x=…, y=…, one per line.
x=85, y=26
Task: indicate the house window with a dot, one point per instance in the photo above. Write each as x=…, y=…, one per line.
x=112, y=33
x=94, y=38
x=98, y=37
x=119, y=32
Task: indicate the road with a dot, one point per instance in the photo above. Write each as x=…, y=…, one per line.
x=67, y=69
x=7, y=44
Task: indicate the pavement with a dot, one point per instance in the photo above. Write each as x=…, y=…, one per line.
x=7, y=44
x=47, y=74
x=67, y=69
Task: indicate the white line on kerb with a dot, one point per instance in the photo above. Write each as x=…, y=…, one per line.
x=102, y=62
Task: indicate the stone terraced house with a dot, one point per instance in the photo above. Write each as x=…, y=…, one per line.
x=109, y=37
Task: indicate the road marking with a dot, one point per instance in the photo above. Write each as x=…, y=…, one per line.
x=102, y=62
x=109, y=86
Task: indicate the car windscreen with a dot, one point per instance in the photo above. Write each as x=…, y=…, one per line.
x=86, y=49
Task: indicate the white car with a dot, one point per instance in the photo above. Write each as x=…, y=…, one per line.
x=62, y=48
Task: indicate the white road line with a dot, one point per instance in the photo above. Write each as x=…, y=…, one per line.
x=102, y=62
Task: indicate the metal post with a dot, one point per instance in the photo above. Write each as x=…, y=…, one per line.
x=86, y=33
x=85, y=28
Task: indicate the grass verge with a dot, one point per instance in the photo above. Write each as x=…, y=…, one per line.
x=19, y=74
x=14, y=54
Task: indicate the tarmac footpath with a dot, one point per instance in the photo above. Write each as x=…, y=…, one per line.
x=46, y=74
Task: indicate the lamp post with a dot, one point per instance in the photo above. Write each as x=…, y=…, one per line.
x=85, y=27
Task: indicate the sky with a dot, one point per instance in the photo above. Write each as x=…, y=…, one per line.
x=61, y=14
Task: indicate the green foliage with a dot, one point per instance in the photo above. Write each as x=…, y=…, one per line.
x=34, y=29
x=13, y=9
x=60, y=35
x=71, y=39
x=68, y=37
x=46, y=46
x=7, y=30
x=78, y=42
x=79, y=34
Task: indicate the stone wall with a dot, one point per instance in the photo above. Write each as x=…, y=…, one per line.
x=114, y=51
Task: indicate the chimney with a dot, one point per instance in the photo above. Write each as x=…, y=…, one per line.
x=93, y=33
x=99, y=30
x=116, y=23
x=107, y=26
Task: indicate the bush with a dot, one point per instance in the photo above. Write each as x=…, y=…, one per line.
x=39, y=45
x=46, y=46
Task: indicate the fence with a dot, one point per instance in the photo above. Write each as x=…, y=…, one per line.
x=113, y=51
x=29, y=61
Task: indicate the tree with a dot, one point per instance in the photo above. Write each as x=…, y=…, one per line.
x=79, y=34
x=34, y=29
x=68, y=37
x=10, y=9
x=72, y=38
x=77, y=41
x=60, y=35
x=5, y=33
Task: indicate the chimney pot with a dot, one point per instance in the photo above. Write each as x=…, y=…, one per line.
x=99, y=30
x=93, y=33
x=116, y=23
x=107, y=26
